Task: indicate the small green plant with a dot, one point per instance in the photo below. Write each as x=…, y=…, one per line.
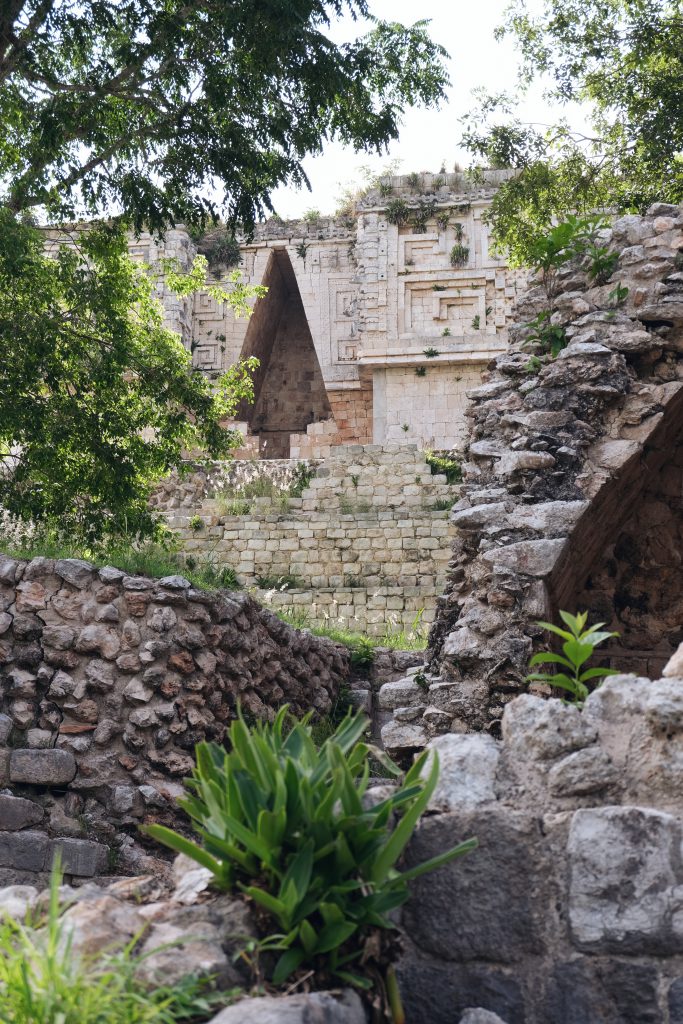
x=222, y=249
x=425, y=210
x=414, y=180
x=286, y=581
x=431, y=353
x=405, y=427
x=303, y=474
x=443, y=219
x=602, y=262
x=533, y=364
x=42, y=981
x=311, y=216
x=550, y=338
x=420, y=371
x=460, y=254
x=397, y=212
x=196, y=523
x=578, y=647
x=439, y=288
x=444, y=465
x=446, y=332
x=302, y=250
x=476, y=322
x=617, y=297
x=385, y=189
x=421, y=681
x=355, y=479
x=442, y=505
x=459, y=231
x=284, y=822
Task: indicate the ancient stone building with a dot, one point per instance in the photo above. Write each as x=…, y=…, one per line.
x=374, y=325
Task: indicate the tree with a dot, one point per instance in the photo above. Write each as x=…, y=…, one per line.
x=141, y=114
x=97, y=397
x=623, y=60
x=141, y=105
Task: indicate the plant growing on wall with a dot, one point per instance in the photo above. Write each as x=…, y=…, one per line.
x=459, y=255
x=385, y=189
x=476, y=322
x=431, y=353
x=578, y=648
x=414, y=180
x=420, y=371
x=443, y=219
x=285, y=823
x=425, y=211
x=550, y=338
x=222, y=249
x=311, y=216
x=458, y=231
x=443, y=464
x=302, y=250
x=397, y=211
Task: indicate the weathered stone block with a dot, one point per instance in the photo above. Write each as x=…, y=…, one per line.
x=80, y=856
x=537, y=729
x=625, y=880
x=434, y=992
x=75, y=571
x=467, y=771
x=321, y=1007
x=457, y=913
x=17, y=813
x=42, y=767
x=584, y=771
x=25, y=850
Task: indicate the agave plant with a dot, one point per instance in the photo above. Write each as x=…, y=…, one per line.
x=579, y=645
x=286, y=823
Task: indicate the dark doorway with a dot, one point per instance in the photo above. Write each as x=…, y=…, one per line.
x=289, y=388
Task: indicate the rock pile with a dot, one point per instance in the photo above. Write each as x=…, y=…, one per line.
x=107, y=682
x=559, y=455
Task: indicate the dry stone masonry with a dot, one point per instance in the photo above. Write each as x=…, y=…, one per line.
x=367, y=544
x=572, y=489
x=107, y=682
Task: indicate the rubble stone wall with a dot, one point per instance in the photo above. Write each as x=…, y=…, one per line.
x=107, y=682
x=570, y=911
x=571, y=495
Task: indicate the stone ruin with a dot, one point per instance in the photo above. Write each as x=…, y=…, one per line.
x=571, y=909
x=108, y=681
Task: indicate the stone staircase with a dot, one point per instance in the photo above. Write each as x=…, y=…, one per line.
x=366, y=546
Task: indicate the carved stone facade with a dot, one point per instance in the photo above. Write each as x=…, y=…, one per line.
x=373, y=325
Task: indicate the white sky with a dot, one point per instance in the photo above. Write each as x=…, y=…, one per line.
x=428, y=137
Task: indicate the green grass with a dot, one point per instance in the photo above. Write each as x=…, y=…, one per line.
x=148, y=559
x=42, y=982
x=395, y=637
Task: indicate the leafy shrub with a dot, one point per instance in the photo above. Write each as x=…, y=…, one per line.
x=222, y=249
x=574, y=237
x=285, y=823
x=43, y=982
x=196, y=523
x=398, y=212
x=579, y=645
x=550, y=338
x=460, y=254
x=303, y=475
x=284, y=582
x=311, y=216
x=431, y=352
x=446, y=465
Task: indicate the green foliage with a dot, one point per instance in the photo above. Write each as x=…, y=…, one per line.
x=431, y=352
x=98, y=400
x=303, y=475
x=397, y=212
x=222, y=249
x=414, y=180
x=393, y=637
x=440, y=463
x=550, y=338
x=302, y=250
x=425, y=211
x=420, y=371
x=127, y=107
x=446, y=332
x=284, y=582
x=617, y=297
x=459, y=231
x=623, y=60
x=578, y=647
x=459, y=255
x=196, y=523
x=385, y=189
x=533, y=364
x=43, y=982
x=151, y=558
x=311, y=216
x=285, y=823
x=476, y=322
x=443, y=219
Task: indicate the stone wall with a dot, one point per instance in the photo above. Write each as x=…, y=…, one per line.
x=107, y=682
x=571, y=483
x=570, y=910
x=366, y=545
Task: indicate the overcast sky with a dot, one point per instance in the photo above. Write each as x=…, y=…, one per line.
x=428, y=137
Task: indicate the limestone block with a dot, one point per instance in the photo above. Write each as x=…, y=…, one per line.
x=397, y=736
x=625, y=891
x=531, y=557
x=75, y=571
x=537, y=730
x=27, y=851
x=17, y=813
x=97, y=924
x=318, y=1007
x=400, y=693
x=479, y=1016
x=467, y=771
x=80, y=856
x=42, y=767
x=17, y=900
x=584, y=771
